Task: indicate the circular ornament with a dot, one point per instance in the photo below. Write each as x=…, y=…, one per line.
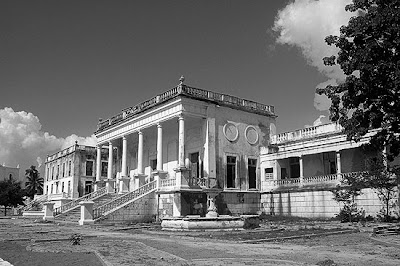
x=230, y=131
x=251, y=135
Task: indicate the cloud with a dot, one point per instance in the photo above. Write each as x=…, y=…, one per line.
x=23, y=142
x=305, y=24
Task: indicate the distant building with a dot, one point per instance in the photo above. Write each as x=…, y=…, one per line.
x=7, y=172
x=70, y=173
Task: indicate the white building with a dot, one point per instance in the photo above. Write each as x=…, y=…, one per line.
x=70, y=173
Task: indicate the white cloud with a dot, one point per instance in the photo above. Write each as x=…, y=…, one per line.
x=305, y=24
x=22, y=142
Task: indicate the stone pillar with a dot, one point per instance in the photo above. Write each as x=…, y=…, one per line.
x=86, y=212
x=124, y=179
x=301, y=169
x=97, y=184
x=338, y=163
x=110, y=181
x=48, y=208
x=140, y=177
x=181, y=144
x=140, y=154
x=159, y=148
x=209, y=161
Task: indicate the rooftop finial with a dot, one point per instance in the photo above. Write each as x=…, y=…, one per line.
x=181, y=80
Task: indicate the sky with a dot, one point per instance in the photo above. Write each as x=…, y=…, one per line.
x=65, y=64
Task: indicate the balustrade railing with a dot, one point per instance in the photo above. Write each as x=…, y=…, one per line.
x=34, y=202
x=306, y=133
x=125, y=198
x=197, y=181
x=170, y=182
x=189, y=91
x=320, y=179
x=72, y=204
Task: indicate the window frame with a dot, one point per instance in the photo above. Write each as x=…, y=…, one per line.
x=235, y=185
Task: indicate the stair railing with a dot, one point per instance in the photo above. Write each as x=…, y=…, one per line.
x=29, y=206
x=125, y=198
x=72, y=204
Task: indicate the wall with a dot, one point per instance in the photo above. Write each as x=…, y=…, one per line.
x=313, y=165
x=239, y=147
x=236, y=203
x=143, y=209
x=314, y=204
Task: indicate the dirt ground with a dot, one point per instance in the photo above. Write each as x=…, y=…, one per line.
x=25, y=242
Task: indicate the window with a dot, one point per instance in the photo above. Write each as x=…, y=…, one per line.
x=69, y=187
x=89, y=168
x=153, y=165
x=69, y=168
x=88, y=187
x=58, y=171
x=269, y=173
x=10, y=177
x=104, y=168
x=63, y=170
x=52, y=173
x=294, y=167
x=284, y=174
x=62, y=186
x=329, y=163
x=252, y=172
x=231, y=171
x=194, y=165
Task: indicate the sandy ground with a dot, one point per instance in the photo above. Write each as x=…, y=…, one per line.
x=106, y=245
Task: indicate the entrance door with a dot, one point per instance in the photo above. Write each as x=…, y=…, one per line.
x=88, y=187
x=252, y=167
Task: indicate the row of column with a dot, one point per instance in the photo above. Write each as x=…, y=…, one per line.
x=338, y=165
x=140, y=166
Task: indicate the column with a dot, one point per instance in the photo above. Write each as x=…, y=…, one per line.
x=159, y=148
x=97, y=184
x=124, y=179
x=140, y=154
x=301, y=169
x=109, y=182
x=139, y=177
x=338, y=163
x=181, y=144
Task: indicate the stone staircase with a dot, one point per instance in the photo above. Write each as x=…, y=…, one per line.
x=74, y=214
x=100, y=213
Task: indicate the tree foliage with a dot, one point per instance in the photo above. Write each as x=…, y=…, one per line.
x=34, y=183
x=383, y=178
x=11, y=194
x=369, y=55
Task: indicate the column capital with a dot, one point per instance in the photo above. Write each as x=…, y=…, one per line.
x=124, y=137
x=159, y=125
x=181, y=117
x=109, y=142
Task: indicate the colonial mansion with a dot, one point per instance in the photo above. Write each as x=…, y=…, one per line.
x=155, y=159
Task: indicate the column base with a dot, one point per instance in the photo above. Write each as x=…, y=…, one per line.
x=124, y=185
x=110, y=185
x=180, y=176
x=84, y=222
x=139, y=180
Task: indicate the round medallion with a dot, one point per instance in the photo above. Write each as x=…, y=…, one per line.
x=251, y=135
x=231, y=132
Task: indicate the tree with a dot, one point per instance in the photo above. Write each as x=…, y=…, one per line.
x=34, y=183
x=11, y=194
x=369, y=55
x=383, y=179
x=346, y=192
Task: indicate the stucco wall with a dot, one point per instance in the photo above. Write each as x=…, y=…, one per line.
x=313, y=165
x=143, y=209
x=239, y=147
x=314, y=204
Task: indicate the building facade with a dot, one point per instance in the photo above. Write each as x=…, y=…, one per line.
x=189, y=139
x=7, y=172
x=70, y=173
x=300, y=169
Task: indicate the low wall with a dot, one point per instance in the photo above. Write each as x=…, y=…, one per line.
x=143, y=209
x=237, y=203
x=314, y=203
